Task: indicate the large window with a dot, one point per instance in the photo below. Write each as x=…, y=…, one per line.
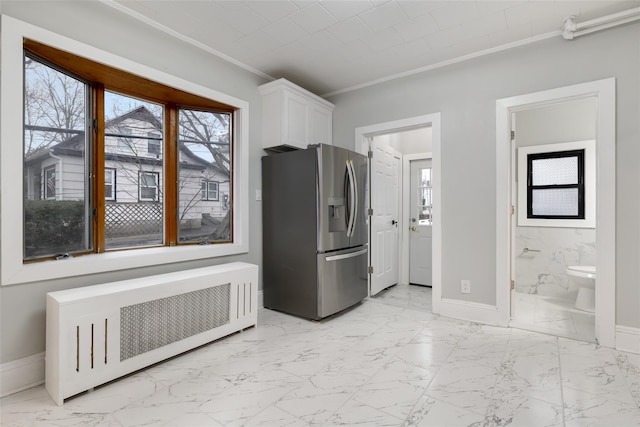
x=161, y=143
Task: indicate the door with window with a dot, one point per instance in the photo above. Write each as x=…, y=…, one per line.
x=420, y=223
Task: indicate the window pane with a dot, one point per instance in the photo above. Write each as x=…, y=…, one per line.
x=555, y=171
x=56, y=219
x=555, y=202
x=204, y=213
x=133, y=216
x=424, y=197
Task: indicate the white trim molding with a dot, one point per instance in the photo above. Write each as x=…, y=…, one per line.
x=21, y=374
x=470, y=311
x=628, y=339
x=604, y=92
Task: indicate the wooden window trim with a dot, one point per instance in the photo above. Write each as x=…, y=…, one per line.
x=121, y=81
x=102, y=77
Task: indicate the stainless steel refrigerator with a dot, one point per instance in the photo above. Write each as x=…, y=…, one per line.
x=314, y=231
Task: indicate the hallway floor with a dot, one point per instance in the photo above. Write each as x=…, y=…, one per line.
x=385, y=362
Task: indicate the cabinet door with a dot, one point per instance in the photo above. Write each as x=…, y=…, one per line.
x=320, y=125
x=295, y=120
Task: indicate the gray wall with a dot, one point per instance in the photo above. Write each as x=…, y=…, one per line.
x=22, y=307
x=466, y=94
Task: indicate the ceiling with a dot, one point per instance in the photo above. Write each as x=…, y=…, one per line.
x=337, y=45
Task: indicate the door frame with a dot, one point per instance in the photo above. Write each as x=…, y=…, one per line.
x=406, y=210
x=362, y=135
x=604, y=91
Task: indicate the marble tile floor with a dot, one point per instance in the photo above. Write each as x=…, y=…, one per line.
x=552, y=315
x=377, y=364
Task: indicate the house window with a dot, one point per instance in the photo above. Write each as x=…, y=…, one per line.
x=555, y=186
x=210, y=190
x=50, y=183
x=157, y=160
x=154, y=141
x=148, y=187
x=109, y=184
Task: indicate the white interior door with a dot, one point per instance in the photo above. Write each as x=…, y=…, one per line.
x=385, y=201
x=420, y=223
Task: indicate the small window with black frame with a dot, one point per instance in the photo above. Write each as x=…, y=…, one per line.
x=555, y=185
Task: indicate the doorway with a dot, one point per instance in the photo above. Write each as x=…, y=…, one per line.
x=604, y=93
x=363, y=139
x=553, y=231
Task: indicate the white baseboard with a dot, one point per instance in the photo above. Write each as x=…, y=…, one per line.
x=470, y=311
x=628, y=339
x=21, y=374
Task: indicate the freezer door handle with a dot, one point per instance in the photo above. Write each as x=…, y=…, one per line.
x=346, y=256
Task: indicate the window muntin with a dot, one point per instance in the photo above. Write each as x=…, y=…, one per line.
x=555, y=185
x=56, y=209
x=123, y=141
x=204, y=172
x=110, y=184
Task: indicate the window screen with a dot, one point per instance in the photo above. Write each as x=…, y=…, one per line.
x=555, y=185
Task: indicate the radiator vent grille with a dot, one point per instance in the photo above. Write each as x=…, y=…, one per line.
x=154, y=324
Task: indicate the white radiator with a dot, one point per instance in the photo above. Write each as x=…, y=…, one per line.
x=99, y=333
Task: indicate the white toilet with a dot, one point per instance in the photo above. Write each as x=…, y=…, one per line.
x=586, y=300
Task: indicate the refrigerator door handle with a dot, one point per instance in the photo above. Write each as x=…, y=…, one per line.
x=346, y=256
x=353, y=201
x=355, y=198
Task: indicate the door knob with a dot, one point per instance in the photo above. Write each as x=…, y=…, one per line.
x=394, y=222
x=414, y=228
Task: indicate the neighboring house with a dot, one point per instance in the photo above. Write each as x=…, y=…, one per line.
x=133, y=176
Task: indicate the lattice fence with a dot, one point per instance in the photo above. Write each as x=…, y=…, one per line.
x=133, y=219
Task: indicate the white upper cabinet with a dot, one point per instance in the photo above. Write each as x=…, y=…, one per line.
x=293, y=117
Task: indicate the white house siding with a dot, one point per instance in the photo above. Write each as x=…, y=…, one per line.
x=72, y=178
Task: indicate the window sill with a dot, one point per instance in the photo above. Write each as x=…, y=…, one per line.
x=115, y=261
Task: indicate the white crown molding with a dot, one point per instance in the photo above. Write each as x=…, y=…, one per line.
x=448, y=62
x=158, y=26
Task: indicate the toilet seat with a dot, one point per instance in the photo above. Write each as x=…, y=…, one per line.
x=586, y=271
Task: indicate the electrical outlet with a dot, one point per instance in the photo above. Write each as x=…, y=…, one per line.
x=465, y=286
x=258, y=195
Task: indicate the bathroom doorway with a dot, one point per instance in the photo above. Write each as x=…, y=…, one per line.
x=553, y=226
x=510, y=254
